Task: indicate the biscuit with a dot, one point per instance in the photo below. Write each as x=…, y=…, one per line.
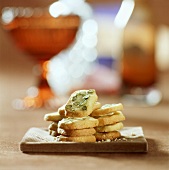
x=111, y=119
x=78, y=123
x=109, y=128
x=53, y=133
x=53, y=126
x=107, y=135
x=90, y=138
x=106, y=109
x=62, y=110
x=55, y=116
x=77, y=132
x=81, y=103
x=97, y=105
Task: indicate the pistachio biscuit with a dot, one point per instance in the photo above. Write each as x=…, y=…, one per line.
x=97, y=105
x=62, y=110
x=109, y=128
x=106, y=109
x=76, y=132
x=55, y=116
x=107, y=135
x=111, y=119
x=78, y=123
x=90, y=138
x=81, y=103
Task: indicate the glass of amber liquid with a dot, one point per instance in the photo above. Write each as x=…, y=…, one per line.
x=42, y=37
x=138, y=64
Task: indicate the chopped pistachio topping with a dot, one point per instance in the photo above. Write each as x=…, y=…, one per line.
x=74, y=98
x=68, y=107
x=76, y=103
x=84, y=108
x=86, y=96
x=83, y=102
x=79, y=100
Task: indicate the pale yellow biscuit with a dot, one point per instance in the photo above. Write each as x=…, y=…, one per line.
x=97, y=105
x=78, y=123
x=81, y=103
x=62, y=110
x=77, y=132
x=106, y=109
x=111, y=119
x=110, y=128
x=53, y=126
x=107, y=135
x=83, y=139
x=55, y=116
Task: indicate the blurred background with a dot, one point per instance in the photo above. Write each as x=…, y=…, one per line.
x=121, y=47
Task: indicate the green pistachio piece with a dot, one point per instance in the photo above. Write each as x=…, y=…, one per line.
x=74, y=98
x=83, y=102
x=84, y=108
x=73, y=109
x=79, y=97
x=82, y=93
x=76, y=103
x=68, y=107
x=87, y=96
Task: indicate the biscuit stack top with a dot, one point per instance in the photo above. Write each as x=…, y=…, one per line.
x=80, y=118
x=81, y=103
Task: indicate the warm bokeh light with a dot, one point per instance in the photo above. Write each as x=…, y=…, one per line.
x=7, y=15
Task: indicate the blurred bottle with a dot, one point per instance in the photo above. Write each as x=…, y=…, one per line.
x=138, y=67
x=104, y=76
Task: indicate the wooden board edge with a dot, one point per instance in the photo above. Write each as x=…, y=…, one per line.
x=66, y=147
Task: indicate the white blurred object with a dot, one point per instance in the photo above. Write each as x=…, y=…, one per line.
x=143, y=97
x=68, y=69
x=124, y=13
x=59, y=77
x=162, y=48
x=62, y=9
x=79, y=7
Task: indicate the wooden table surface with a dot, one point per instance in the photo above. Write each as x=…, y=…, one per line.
x=14, y=124
x=16, y=76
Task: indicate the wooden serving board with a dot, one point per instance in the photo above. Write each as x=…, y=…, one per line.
x=38, y=140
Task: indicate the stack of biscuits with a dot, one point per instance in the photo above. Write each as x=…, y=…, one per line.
x=72, y=122
x=83, y=119
x=110, y=119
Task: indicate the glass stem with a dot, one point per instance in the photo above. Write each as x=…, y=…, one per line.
x=45, y=91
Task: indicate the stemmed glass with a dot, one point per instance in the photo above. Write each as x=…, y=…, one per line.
x=41, y=36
